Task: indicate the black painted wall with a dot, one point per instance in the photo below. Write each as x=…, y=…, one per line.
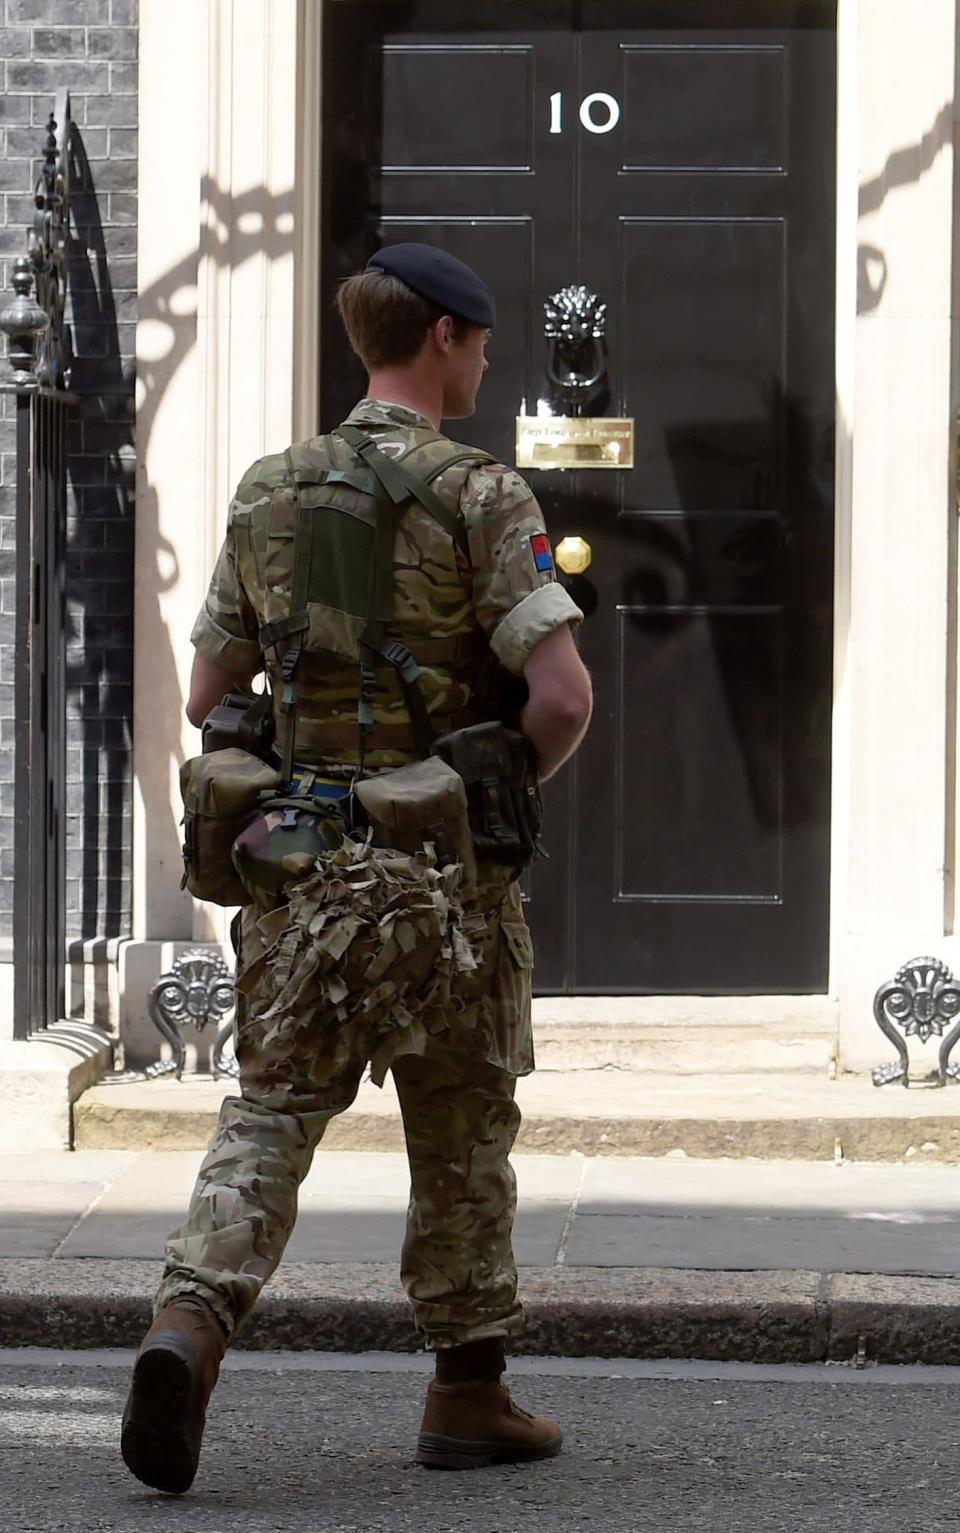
x=89, y=46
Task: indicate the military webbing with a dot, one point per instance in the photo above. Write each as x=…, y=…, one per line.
x=373, y=637
x=401, y=485
x=379, y=602
x=396, y=486
x=298, y=622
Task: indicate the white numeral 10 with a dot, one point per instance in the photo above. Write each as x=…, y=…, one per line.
x=599, y=99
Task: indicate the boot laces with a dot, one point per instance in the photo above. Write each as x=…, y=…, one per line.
x=518, y=1410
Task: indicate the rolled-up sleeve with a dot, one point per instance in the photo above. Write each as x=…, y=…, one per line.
x=517, y=599
x=532, y=619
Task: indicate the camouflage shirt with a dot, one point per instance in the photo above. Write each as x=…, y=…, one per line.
x=505, y=599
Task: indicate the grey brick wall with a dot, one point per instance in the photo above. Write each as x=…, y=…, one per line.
x=90, y=46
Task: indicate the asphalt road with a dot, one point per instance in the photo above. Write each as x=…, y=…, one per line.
x=322, y=1444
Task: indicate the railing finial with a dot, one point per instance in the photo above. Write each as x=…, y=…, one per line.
x=22, y=321
x=39, y=351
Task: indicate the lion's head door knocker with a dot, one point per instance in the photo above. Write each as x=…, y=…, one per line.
x=576, y=366
x=571, y=429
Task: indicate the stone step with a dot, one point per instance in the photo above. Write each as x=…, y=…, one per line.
x=591, y=1033
x=772, y=1116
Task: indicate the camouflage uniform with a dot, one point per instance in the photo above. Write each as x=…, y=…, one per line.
x=455, y=1064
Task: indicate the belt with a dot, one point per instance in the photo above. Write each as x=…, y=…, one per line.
x=321, y=787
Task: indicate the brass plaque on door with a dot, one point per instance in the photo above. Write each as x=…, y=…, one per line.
x=565, y=441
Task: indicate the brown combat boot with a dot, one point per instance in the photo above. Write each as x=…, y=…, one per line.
x=173, y=1378
x=470, y=1419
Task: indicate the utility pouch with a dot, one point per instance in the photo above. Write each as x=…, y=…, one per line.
x=425, y=801
x=221, y=793
x=504, y=807
x=240, y=721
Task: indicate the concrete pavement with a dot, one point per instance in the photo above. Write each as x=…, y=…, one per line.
x=619, y=1255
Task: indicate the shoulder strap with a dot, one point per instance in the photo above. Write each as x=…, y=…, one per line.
x=401, y=485
x=297, y=622
x=302, y=538
x=394, y=488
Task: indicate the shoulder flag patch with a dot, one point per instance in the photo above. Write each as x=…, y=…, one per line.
x=542, y=553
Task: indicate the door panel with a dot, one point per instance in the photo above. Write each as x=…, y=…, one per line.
x=423, y=134
x=714, y=107
x=702, y=332
x=703, y=843
x=677, y=157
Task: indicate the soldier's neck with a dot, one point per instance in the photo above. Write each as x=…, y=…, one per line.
x=407, y=386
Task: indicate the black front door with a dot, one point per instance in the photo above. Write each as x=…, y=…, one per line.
x=677, y=159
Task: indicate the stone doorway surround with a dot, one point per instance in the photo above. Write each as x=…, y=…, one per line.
x=227, y=370
x=227, y=359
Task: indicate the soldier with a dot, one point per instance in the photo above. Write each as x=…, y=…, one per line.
x=418, y=319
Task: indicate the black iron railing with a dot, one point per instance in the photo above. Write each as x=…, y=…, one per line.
x=38, y=374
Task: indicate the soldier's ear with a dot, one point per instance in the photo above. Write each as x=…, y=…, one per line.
x=443, y=334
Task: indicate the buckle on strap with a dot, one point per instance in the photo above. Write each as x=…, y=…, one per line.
x=402, y=659
x=290, y=661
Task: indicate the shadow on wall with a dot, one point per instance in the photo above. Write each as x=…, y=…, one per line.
x=99, y=560
x=234, y=229
x=904, y=167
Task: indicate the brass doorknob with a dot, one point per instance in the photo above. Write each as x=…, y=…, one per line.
x=574, y=555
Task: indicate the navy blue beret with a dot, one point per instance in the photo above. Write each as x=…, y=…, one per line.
x=440, y=277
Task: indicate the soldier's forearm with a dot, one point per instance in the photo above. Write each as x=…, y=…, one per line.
x=556, y=728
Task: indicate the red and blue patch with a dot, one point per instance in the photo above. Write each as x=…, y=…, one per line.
x=542, y=553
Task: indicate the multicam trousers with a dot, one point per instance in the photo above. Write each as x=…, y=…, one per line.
x=460, y=1121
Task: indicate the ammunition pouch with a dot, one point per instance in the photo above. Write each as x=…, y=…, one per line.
x=498, y=767
x=420, y=803
x=241, y=722
x=221, y=792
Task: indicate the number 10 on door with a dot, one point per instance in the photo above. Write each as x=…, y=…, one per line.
x=599, y=112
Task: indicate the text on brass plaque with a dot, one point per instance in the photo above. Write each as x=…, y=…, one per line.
x=564, y=441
